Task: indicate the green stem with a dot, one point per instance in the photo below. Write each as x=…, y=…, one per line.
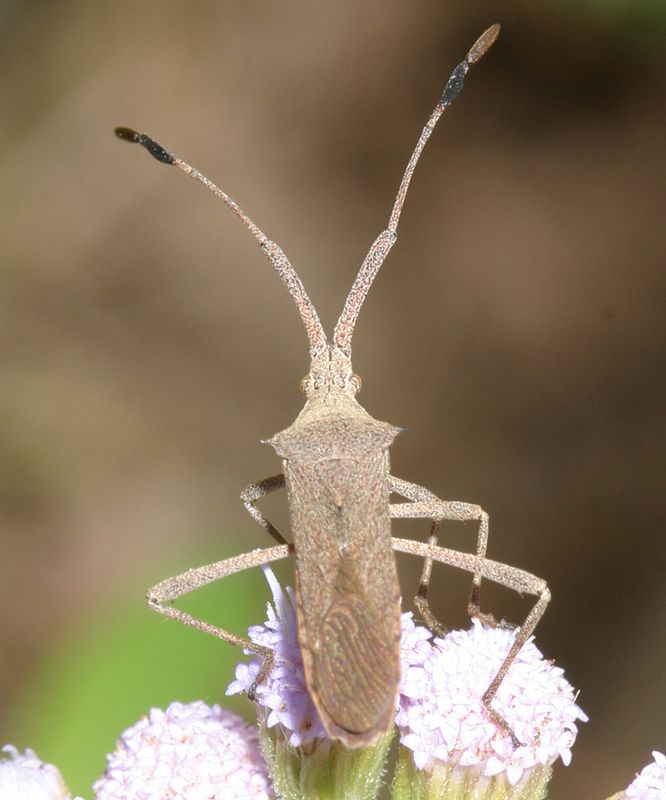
x=455, y=782
x=324, y=770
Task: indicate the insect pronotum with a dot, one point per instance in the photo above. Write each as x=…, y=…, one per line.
x=336, y=472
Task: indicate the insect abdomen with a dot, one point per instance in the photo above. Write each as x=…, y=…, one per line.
x=354, y=671
x=348, y=598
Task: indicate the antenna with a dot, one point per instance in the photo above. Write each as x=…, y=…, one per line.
x=380, y=248
x=273, y=252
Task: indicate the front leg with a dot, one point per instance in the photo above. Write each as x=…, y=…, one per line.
x=254, y=492
x=426, y=505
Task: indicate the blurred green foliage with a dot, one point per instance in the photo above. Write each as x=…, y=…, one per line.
x=120, y=661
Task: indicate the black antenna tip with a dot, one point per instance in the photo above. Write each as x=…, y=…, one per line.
x=156, y=150
x=475, y=54
x=454, y=84
x=127, y=134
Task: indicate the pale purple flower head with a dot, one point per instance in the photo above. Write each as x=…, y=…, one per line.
x=24, y=777
x=440, y=714
x=190, y=750
x=283, y=694
x=650, y=784
x=442, y=719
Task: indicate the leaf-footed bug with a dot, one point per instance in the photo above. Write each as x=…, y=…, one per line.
x=336, y=473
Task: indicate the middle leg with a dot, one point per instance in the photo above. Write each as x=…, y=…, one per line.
x=426, y=505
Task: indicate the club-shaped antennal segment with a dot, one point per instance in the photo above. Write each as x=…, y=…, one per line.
x=370, y=267
x=273, y=252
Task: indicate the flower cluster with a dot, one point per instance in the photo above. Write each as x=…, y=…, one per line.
x=442, y=718
x=650, y=784
x=284, y=693
x=448, y=737
x=190, y=750
x=24, y=777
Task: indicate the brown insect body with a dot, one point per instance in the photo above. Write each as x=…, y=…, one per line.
x=336, y=468
x=336, y=472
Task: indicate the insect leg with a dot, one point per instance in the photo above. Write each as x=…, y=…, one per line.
x=161, y=596
x=427, y=505
x=254, y=492
x=511, y=577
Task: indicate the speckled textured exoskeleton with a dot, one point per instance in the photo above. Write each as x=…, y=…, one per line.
x=335, y=460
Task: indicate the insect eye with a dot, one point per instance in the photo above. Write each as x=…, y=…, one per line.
x=356, y=382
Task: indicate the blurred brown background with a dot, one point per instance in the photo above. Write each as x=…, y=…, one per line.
x=517, y=330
